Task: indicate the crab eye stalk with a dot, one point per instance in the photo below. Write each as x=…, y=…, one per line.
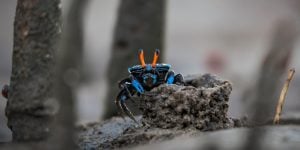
x=142, y=58
x=155, y=57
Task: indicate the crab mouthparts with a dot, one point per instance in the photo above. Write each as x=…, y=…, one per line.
x=149, y=81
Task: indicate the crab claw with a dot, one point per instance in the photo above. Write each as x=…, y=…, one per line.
x=120, y=102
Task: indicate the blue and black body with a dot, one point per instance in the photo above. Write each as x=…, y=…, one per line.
x=143, y=78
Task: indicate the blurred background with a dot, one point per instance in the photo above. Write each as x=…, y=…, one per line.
x=229, y=38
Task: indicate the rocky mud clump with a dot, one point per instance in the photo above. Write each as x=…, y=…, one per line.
x=202, y=104
x=168, y=111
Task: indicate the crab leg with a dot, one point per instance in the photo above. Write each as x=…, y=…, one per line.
x=120, y=102
x=127, y=111
x=129, y=93
x=170, y=77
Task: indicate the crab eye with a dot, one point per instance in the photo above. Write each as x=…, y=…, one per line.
x=141, y=57
x=155, y=58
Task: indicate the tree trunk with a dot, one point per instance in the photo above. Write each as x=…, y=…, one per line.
x=30, y=106
x=140, y=24
x=267, y=88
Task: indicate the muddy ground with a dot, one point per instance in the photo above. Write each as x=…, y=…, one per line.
x=190, y=116
x=168, y=111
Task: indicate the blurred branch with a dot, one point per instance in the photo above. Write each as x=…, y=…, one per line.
x=272, y=69
x=283, y=96
x=68, y=74
x=140, y=24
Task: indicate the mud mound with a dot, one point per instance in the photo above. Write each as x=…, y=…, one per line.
x=202, y=104
x=168, y=111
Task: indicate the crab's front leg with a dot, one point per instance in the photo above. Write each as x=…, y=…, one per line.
x=137, y=85
x=120, y=102
x=127, y=90
x=171, y=78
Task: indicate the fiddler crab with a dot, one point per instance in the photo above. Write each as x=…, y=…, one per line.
x=142, y=78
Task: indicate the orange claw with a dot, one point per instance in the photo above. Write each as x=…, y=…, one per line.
x=155, y=58
x=142, y=58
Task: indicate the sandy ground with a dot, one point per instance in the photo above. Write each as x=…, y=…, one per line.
x=237, y=30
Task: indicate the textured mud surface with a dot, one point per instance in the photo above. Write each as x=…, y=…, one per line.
x=285, y=137
x=202, y=104
x=117, y=133
x=168, y=112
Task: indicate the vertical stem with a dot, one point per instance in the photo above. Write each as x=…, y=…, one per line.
x=282, y=97
x=68, y=75
x=30, y=106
